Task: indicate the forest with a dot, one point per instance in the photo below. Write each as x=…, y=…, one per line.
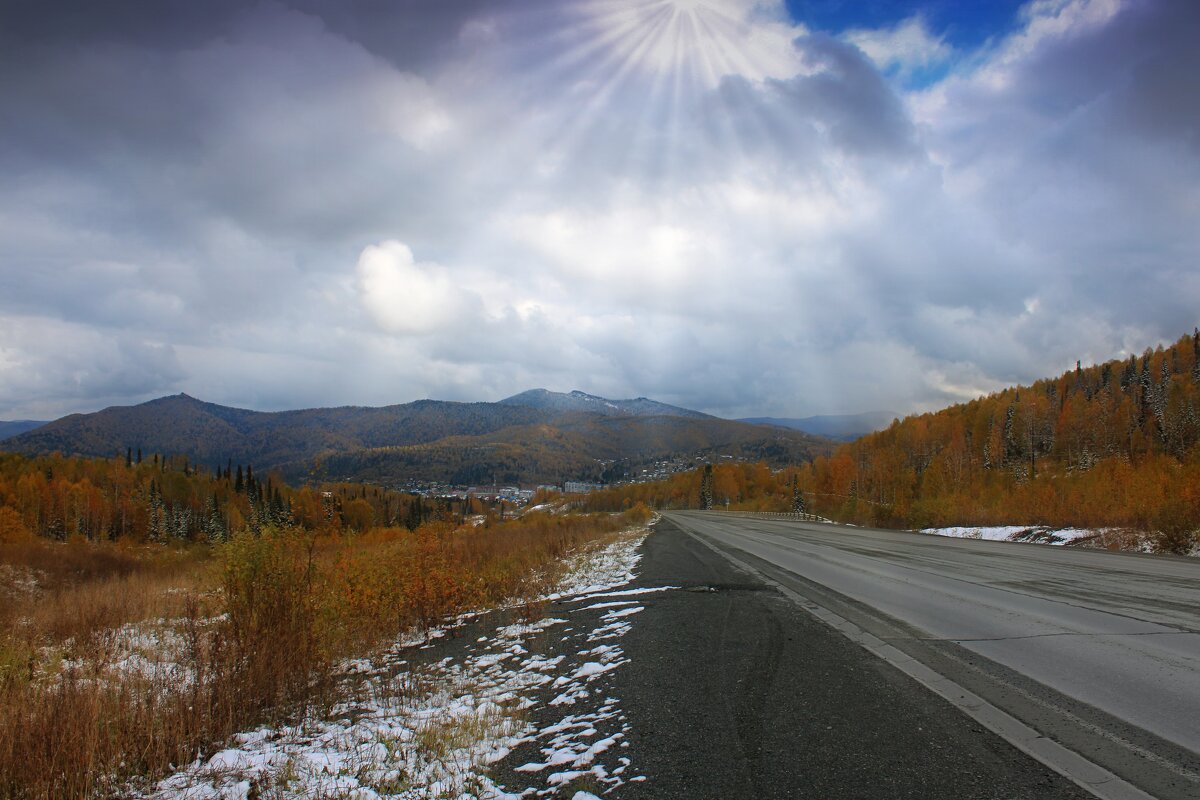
x=1114, y=445
x=167, y=499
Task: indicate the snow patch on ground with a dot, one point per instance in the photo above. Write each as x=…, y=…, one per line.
x=1109, y=538
x=18, y=582
x=624, y=612
x=434, y=731
x=993, y=534
x=154, y=650
x=1016, y=533
x=629, y=592
x=600, y=569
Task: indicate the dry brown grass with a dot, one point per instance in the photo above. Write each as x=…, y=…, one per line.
x=252, y=632
x=63, y=718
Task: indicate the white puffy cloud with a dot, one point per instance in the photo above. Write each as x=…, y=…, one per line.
x=404, y=296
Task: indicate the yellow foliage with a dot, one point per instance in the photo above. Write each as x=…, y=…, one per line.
x=12, y=527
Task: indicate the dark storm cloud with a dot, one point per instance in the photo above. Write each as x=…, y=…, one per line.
x=408, y=33
x=1139, y=69
x=168, y=24
x=847, y=94
x=1085, y=147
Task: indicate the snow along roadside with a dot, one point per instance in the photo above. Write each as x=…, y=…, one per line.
x=433, y=731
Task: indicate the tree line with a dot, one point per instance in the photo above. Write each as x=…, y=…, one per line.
x=163, y=499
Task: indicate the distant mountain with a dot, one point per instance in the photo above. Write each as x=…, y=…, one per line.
x=425, y=440
x=576, y=400
x=16, y=427
x=210, y=433
x=844, y=427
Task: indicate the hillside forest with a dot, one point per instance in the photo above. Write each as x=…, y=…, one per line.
x=1110, y=446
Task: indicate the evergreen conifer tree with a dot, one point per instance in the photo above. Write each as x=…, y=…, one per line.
x=1196, y=355
x=797, y=497
x=214, y=526
x=1010, y=439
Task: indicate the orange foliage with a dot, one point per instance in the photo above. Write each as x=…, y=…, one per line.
x=169, y=500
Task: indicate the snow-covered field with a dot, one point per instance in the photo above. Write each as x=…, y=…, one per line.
x=413, y=729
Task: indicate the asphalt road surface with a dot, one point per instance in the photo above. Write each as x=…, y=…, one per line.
x=1097, y=652
x=733, y=691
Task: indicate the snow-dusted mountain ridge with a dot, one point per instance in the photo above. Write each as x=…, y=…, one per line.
x=546, y=400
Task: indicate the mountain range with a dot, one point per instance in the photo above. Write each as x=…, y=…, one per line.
x=533, y=437
x=17, y=426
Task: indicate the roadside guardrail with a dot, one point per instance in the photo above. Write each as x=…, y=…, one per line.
x=776, y=514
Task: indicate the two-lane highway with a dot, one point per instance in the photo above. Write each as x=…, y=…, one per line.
x=1113, y=633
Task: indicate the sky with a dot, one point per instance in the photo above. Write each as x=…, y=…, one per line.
x=746, y=207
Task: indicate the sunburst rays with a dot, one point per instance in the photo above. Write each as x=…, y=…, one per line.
x=709, y=38
x=639, y=71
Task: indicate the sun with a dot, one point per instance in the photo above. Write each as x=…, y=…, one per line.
x=657, y=66
x=705, y=40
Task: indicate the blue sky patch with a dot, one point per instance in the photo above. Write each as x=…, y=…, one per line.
x=965, y=25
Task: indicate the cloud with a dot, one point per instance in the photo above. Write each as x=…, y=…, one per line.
x=406, y=297
x=49, y=367
x=707, y=40
x=907, y=47
x=287, y=204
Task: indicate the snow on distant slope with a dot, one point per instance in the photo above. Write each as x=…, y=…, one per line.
x=546, y=400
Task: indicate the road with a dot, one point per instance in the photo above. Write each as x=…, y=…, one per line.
x=1097, y=651
x=733, y=691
